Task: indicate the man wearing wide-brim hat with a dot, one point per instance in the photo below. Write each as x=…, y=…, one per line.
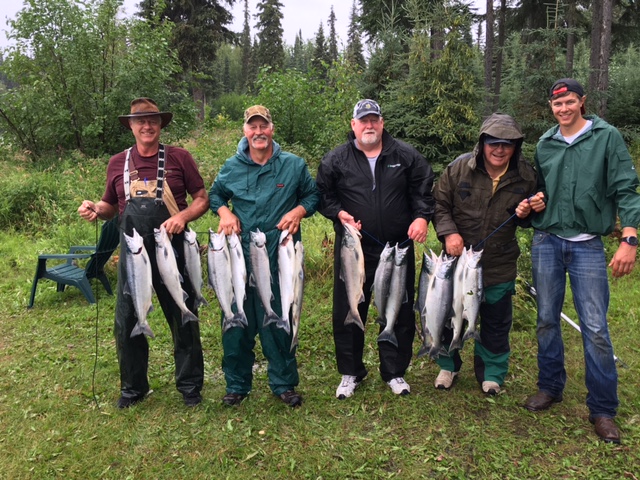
x=147, y=185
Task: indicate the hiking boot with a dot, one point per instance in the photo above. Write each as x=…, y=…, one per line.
x=540, y=401
x=192, y=399
x=444, y=380
x=490, y=388
x=291, y=398
x=347, y=386
x=233, y=399
x=126, y=402
x=399, y=386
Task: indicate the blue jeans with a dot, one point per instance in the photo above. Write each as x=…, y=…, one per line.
x=552, y=258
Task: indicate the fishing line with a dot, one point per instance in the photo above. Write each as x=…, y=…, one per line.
x=492, y=233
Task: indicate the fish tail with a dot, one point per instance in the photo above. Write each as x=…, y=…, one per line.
x=388, y=337
x=456, y=344
x=200, y=300
x=354, y=318
x=424, y=349
x=142, y=328
x=271, y=317
x=189, y=316
x=240, y=319
x=435, y=352
x=294, y=342
x=469, y=334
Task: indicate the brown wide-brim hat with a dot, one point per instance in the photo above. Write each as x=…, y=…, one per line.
x=145, y=107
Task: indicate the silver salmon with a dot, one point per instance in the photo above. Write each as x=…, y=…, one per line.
x=397, y=295
x=473, y=293
x=193, y=265
x=437, y=309
x=261, y=275
x=298, y=292
x=352, y=272
x=238, y=278
x=168, y=268
x=457, y=305
x=286, y=265
x=382, y=281
x=219, y=263
x=139, y=283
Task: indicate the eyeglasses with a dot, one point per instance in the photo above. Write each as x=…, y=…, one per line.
x=153, y=121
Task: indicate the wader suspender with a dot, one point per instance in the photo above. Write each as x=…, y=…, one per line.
x=159, y=176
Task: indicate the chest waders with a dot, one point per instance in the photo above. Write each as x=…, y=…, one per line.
x=144, y=213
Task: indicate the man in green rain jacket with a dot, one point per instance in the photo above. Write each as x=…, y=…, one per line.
x=271, y=191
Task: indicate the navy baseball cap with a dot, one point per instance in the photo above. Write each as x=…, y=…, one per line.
x=565, y=85
x=366, y=107
x=488, y=139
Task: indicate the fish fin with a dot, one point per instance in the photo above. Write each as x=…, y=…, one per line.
x=189, y=316
x=126, y=290
x=388, y=337
x=150, y=309
x=142, y=328
x=406, y=297
x=351, y=318
x=185, y=295
x=252, y=280
x=361, y=299
x=381, y=321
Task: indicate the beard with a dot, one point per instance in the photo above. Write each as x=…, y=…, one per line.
x=369, y=138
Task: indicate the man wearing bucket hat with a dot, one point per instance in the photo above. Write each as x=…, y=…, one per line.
x=261, y=188
x=382, y=187
x=147, y=185
x=588, y=179
x=476, y=194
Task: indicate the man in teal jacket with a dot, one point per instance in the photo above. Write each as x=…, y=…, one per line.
x=270, y=190
x=588, y=179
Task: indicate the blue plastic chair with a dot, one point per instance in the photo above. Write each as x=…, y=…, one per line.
x=69, y=273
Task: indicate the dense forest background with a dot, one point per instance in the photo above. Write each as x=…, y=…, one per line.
x=436, y=68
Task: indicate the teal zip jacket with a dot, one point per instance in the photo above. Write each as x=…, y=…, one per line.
x=261, y=195
x=586, y=183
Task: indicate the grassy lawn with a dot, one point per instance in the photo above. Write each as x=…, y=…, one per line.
x=59, y=380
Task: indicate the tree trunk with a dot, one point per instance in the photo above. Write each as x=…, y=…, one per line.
x=488, y=58
x=199, y=98
x=571, y=36
x=499, y=55
x=600, y=50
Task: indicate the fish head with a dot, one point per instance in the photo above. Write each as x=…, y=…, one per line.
x=217, y=241
x=190, y=237
x=351, y=236
x=233, y=239
x=473, y=257
x=447, y=265
x=400, y=255
x=134, y=242
x=285, y=237
x=258, y=238
x=428, y=263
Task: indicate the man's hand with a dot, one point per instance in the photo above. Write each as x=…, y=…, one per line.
x=418, y=230
x=454, y=244
x=345, y=218
x=291, y=220
x=229, y=223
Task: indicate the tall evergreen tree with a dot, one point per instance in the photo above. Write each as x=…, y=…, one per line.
x=201, y=27
x=270, y=31
x=332, y=40
x=245, y=45
x=320, y=59
x=353, y=53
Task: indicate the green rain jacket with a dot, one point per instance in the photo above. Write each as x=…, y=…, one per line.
x=261, y=195
x=586, y=183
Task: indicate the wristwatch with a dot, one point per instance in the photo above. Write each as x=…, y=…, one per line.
x=633, y=241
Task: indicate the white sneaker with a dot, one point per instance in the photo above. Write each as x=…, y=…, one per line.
x=347, y=386
x=399, y=386
x=490, y=388
x=444, y=380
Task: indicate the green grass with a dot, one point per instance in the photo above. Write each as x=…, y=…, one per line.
x=52, y=426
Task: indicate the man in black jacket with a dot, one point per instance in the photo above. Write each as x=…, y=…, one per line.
x=382, y=187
